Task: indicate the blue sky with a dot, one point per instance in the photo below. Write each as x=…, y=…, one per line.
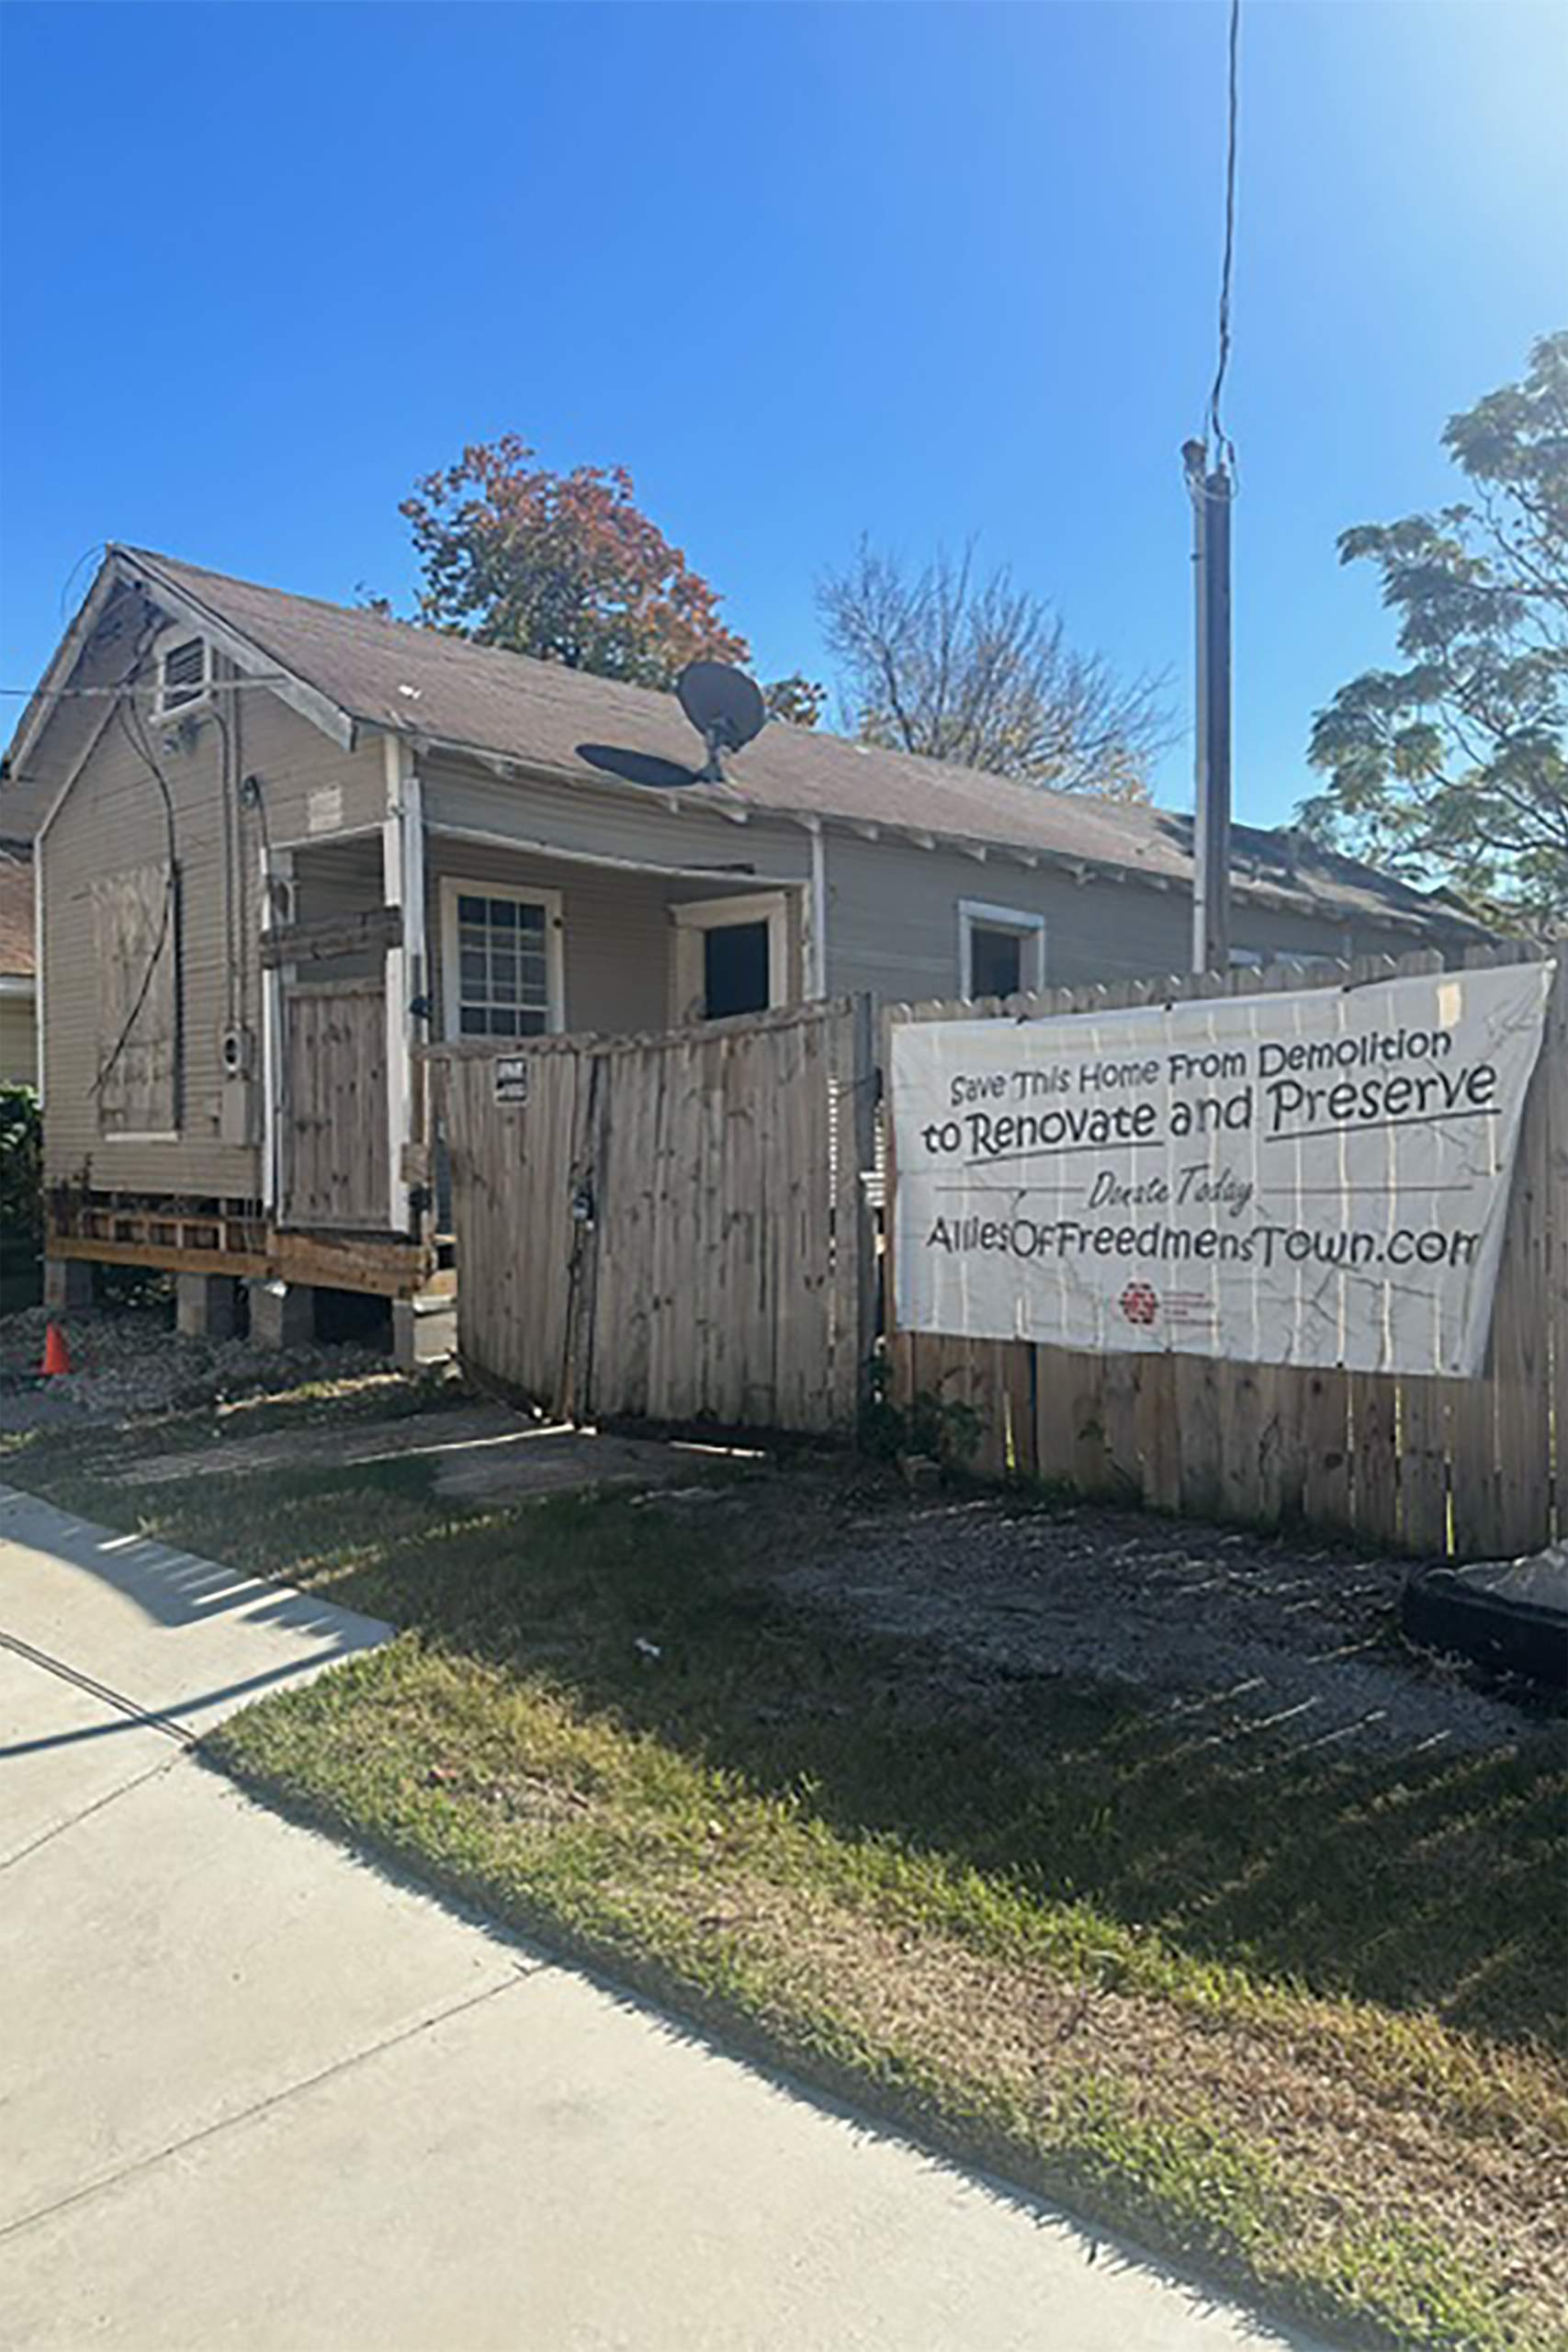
x=806, y=271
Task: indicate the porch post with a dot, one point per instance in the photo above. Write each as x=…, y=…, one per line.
x=815, y=976
x=403, y=872
x=279, y=867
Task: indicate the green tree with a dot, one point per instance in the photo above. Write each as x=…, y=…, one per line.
x=1454, y=768
x=796, y=700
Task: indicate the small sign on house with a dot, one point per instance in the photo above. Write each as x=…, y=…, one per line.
x=512, y=1079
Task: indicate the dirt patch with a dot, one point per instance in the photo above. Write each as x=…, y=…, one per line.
x=1238, y=1634
x=476, y=1454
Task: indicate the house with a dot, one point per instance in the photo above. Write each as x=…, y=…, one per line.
x=281, y=845
x=18, y=982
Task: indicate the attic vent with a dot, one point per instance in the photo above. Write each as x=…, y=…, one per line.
x=182, y=675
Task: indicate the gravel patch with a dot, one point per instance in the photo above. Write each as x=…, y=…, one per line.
x=1237, y=1634
x=128, y=1361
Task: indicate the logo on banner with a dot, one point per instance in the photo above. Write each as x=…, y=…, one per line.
x=1139, y=1303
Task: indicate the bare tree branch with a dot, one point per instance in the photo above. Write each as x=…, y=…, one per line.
x=979, y=671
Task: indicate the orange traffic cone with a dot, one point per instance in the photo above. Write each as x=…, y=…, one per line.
x=56, y=1355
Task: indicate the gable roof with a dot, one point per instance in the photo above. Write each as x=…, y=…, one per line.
x=352, y=668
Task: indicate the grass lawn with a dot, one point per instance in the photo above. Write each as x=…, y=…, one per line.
x=1297, y=2020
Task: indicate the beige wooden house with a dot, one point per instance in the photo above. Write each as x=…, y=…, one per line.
x=281, y=845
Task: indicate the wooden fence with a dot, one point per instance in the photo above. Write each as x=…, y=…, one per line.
x=334, y=1107
x=672, y=1227
x=1477, y=1467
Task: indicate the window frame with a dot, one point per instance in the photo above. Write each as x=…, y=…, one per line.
x=1021, y=923
x=520, y=894
x=694, y=918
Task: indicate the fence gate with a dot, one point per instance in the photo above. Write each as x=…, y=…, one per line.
x=670, y=1227
x=334, y=1107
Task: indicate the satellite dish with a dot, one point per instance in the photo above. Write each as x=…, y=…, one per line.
x=726, y=707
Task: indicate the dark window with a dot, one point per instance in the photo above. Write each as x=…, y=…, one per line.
x=735, y=970
x=996, y=962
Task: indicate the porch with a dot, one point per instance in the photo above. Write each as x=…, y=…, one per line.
x=525, y=945
x=521, y=944
x=460, y=938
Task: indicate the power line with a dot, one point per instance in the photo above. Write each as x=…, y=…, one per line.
x=143, y=752
x=127, y=690
x=1224, y=448
x=99, y=547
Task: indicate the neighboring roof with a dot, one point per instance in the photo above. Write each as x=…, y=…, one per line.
x=18, y=959
x=564, y=724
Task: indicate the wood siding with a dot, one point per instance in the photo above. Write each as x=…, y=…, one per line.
x=893, y=922
x=654, y=829
x=111, y=821
x=340, y=879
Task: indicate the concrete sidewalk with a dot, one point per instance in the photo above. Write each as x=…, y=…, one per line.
x=255, y=2093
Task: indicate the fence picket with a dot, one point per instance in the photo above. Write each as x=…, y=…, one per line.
x=1159, y=1431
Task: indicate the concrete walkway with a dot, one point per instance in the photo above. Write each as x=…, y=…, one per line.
x=255, y=2093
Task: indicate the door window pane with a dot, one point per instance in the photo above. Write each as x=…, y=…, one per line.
x=735, y=970
x=996, y=962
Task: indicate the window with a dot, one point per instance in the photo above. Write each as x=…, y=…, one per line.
x=501, y=960
x=996, y=962
x=731, y=955
x=1001, y=950
x=183, y=674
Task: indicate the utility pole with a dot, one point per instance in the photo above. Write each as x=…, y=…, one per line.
x=1210, y=490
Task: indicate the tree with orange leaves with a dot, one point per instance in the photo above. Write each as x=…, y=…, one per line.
x=566, y=567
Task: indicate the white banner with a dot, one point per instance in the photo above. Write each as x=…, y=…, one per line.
x=1314, y=1179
